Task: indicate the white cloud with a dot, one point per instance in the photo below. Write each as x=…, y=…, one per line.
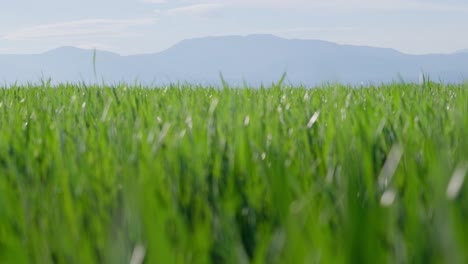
x=155, y=1
x=92, y=45
x=308, y=30
x=337, y=4
x=80, y=29
x=195, y=9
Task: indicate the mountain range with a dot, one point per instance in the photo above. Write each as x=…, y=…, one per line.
x=253, y=59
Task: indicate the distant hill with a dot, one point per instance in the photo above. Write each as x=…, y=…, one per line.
x=255, y=59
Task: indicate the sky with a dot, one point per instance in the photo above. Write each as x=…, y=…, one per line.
x=146, y=26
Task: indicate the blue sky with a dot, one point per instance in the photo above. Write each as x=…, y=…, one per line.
x=144, y=26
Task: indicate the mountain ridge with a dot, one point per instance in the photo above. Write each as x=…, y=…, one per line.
x=255, y=59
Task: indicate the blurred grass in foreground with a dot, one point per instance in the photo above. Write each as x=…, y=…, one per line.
x=188, y=174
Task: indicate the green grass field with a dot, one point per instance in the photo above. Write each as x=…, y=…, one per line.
x=187, y=174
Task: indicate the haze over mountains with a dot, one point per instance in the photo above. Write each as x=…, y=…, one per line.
x=254, y=59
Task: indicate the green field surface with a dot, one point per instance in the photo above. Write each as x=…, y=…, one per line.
x=192, y=174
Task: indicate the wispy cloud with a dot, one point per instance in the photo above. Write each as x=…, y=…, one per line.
x=308, y=30
x=93, y=45
x=338, y=4
x=155, y=1
x=80, y=29
x=195, y=9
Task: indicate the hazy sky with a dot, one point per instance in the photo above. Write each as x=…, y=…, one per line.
x=143, y=26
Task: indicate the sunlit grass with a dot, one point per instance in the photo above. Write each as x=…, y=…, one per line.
x=185, y=174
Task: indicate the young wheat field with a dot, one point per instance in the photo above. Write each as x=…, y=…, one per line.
x=192, y=174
